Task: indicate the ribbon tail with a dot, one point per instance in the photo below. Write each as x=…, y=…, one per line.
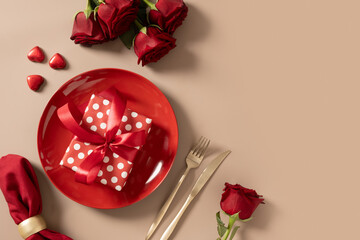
x=90, y=167
x=70, y=116
x=117, y=109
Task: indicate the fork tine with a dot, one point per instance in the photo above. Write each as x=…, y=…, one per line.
x=207, y=143
x=199, y=145
x=196, y=145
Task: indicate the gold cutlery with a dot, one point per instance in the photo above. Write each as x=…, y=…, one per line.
x=204, y=177
x=193, y=160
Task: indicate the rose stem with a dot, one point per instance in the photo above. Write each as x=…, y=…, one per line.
x=89, y=8
x=150, y=4
x=232, y=220
x=138, y=24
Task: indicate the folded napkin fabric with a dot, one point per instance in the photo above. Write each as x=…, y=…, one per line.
x=20, y=187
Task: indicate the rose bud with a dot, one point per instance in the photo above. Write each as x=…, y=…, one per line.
x=151, y=44
x=87, y=31
x=115, y=16
x=238, y=199
x=168, y=14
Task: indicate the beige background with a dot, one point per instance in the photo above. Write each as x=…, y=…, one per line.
x=275, y=81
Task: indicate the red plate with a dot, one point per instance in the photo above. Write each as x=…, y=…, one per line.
x=150, y=167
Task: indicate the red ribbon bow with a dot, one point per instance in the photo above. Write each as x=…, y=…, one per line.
x=123, y=144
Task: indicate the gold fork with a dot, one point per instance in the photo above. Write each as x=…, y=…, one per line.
x=193, y=160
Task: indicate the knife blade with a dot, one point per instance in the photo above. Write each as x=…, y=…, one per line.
x=200, y=183
x=208, y=172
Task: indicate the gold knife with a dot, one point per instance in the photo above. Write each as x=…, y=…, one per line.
x=202, y=180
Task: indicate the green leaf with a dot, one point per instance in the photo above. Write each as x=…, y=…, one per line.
x=220, y=225
x=128, y=37
x=95, y=3
x=221, y=230
x=218, y=219
x=142, y=15
x=233, y=232
x=218, y=239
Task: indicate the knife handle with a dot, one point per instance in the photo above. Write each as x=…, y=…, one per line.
x=166, y=205
x=175, y=221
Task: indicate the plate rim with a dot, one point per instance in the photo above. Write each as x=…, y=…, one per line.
x=153, y=86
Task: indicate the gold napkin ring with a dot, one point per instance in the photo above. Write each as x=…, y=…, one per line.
x=31, y=226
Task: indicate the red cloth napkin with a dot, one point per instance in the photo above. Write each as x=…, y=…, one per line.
x=20, y=187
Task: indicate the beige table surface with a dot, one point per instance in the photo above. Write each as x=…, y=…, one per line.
x=275, y=81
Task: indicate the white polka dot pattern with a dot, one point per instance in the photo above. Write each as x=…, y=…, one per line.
x=120, y=166
x=115, y=170
x=89, y=119
x=128, y=127
x=99, y=115
x=124, y=174
x=70, y=160
x=96, y=106
x=109, y=168
x=114, y=179
x=106, y=159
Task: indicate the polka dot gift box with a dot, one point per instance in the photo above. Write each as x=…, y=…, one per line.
x=114, y=170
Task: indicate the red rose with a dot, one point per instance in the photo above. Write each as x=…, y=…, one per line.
x=169, y=14
x=115, y=16
x=87, y=31
x=237, y=199
x=151, y=44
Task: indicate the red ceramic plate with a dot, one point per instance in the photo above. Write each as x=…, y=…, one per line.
x=150, y=167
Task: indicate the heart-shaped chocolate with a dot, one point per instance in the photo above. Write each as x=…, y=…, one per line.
x=57, y=61
x=35, y=82
x=36, y=55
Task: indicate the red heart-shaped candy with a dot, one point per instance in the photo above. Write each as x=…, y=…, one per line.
x=35, y=81
x=36, y=55
x=57, y=61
